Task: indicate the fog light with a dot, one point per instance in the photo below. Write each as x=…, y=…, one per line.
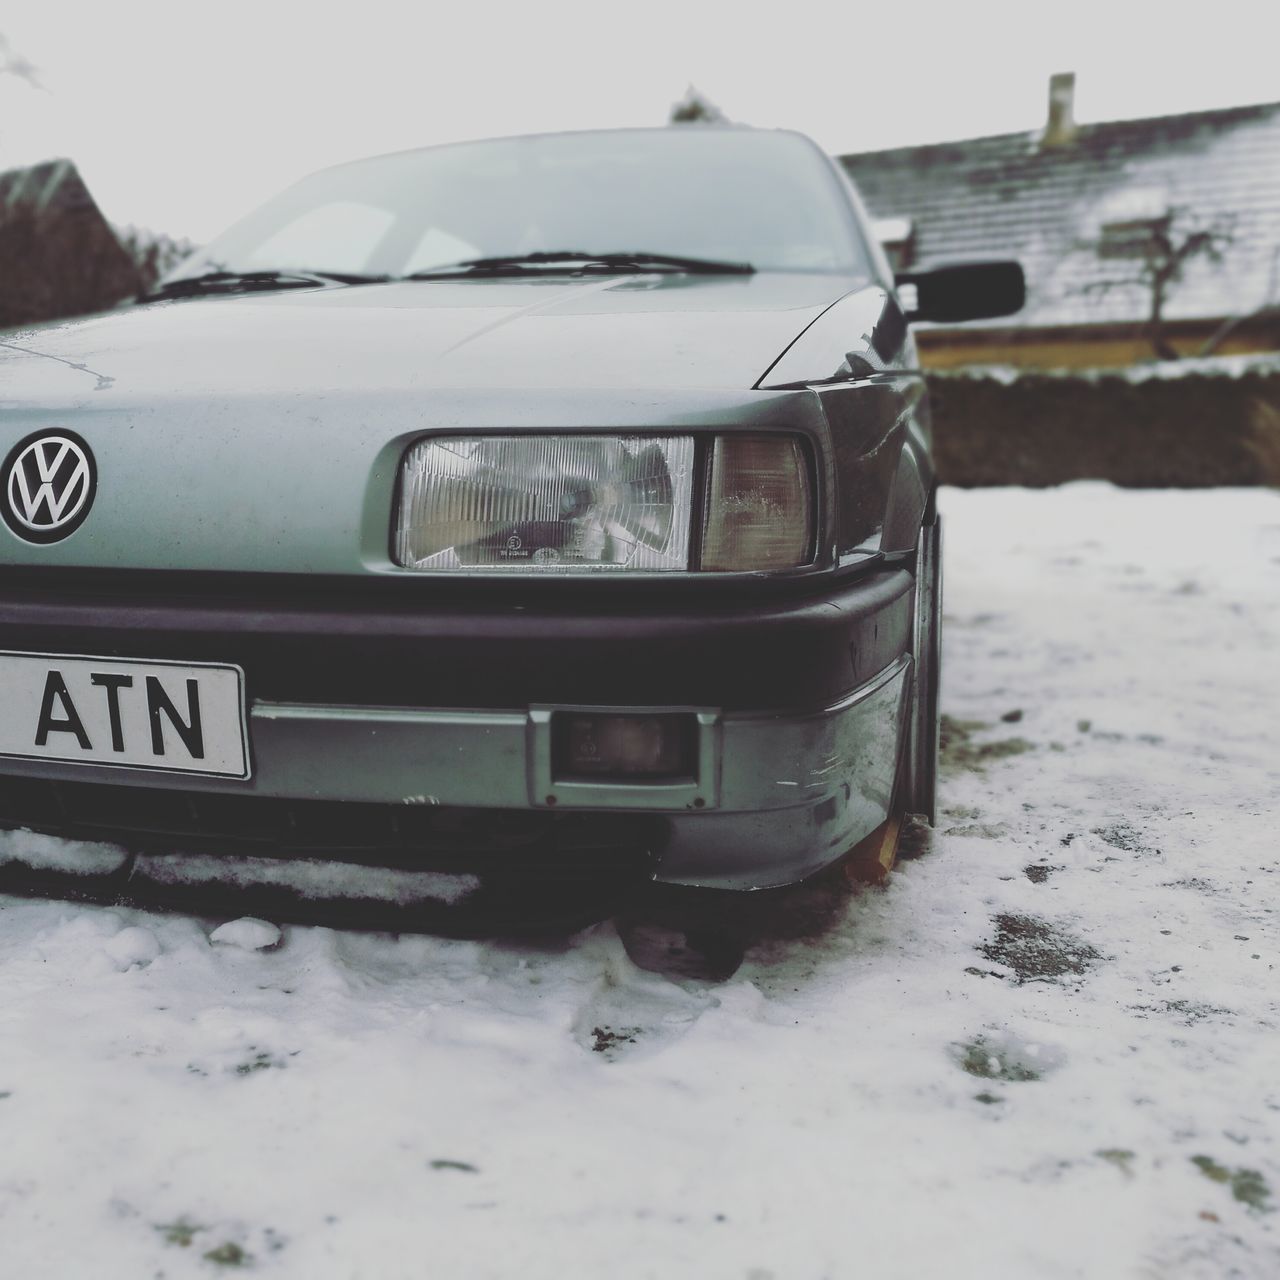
x=601, y=746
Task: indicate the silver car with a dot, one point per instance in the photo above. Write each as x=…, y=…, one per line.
x=543, y=505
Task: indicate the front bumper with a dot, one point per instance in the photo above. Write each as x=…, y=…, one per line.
x=800, y=710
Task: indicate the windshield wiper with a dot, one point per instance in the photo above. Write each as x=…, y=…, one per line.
x=576, y=260
x=214, y=282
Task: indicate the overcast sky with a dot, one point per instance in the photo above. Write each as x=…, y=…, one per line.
x=182, y=116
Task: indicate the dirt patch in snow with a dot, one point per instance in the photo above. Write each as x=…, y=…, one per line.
x=184, y=1233
x=1005, y=1058
x=1036, y=950
x=1123, y=835
x=1247, y=1185
x=961, y=748
x=606, y=1039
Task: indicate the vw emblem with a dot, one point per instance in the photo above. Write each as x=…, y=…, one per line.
x=49, y=481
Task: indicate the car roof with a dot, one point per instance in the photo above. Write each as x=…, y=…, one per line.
x=706, y=127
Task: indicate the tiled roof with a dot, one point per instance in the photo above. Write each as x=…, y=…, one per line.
x=1009, y=196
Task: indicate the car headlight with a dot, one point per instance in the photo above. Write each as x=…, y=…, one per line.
x=547, y=503
x=759, y=509
x=541, y=503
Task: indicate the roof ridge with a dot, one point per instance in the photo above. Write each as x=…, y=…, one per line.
x=39, y=164
x=1254, y=108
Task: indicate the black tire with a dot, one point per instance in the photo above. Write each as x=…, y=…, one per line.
x=920, y=783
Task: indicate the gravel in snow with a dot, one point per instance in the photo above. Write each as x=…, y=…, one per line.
x=1048, y=1047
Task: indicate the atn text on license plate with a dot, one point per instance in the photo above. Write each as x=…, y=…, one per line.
x=175, y=716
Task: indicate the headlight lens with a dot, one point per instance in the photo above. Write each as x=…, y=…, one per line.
x=547, y=503
x=541, y=503
x=759, y=511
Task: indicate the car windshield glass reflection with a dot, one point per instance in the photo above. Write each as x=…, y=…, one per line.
x=764, y=199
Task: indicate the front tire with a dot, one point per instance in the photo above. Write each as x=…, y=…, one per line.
x=920, y=791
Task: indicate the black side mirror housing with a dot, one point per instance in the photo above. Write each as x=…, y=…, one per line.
x=964, y=291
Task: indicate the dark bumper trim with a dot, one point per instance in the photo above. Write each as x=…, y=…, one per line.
x=762, y=655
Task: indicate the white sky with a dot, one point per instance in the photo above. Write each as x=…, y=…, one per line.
x=181, y=117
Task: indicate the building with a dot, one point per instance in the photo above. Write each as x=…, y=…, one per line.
x=1140, y=239
x=58, y=254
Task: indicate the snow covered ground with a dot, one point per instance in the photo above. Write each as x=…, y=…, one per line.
x=1049, y=1047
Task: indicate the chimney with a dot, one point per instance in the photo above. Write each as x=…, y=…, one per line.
x=1061, y=125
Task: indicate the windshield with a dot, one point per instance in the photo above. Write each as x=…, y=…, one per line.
x=763, y=198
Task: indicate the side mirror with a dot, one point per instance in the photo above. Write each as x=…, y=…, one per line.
x=963, y=291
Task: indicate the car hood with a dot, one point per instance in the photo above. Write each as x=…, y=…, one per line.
x=643, y=331
x=264, y=433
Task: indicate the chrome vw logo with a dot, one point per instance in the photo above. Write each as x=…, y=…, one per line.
x=49, y=481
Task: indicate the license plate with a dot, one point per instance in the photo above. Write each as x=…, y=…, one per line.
x=178, y=717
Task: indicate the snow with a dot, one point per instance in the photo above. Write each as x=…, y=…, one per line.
x=1260, y=364
x=248, y=934
x=313, y=879
x=1046, y=1048
x=132, y=946
x=47, y=853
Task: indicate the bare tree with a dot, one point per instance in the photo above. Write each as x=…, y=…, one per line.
x=12, y=63
x=1155, y=253
x=1269, y=307
x=154, y=253
x=696, y=108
